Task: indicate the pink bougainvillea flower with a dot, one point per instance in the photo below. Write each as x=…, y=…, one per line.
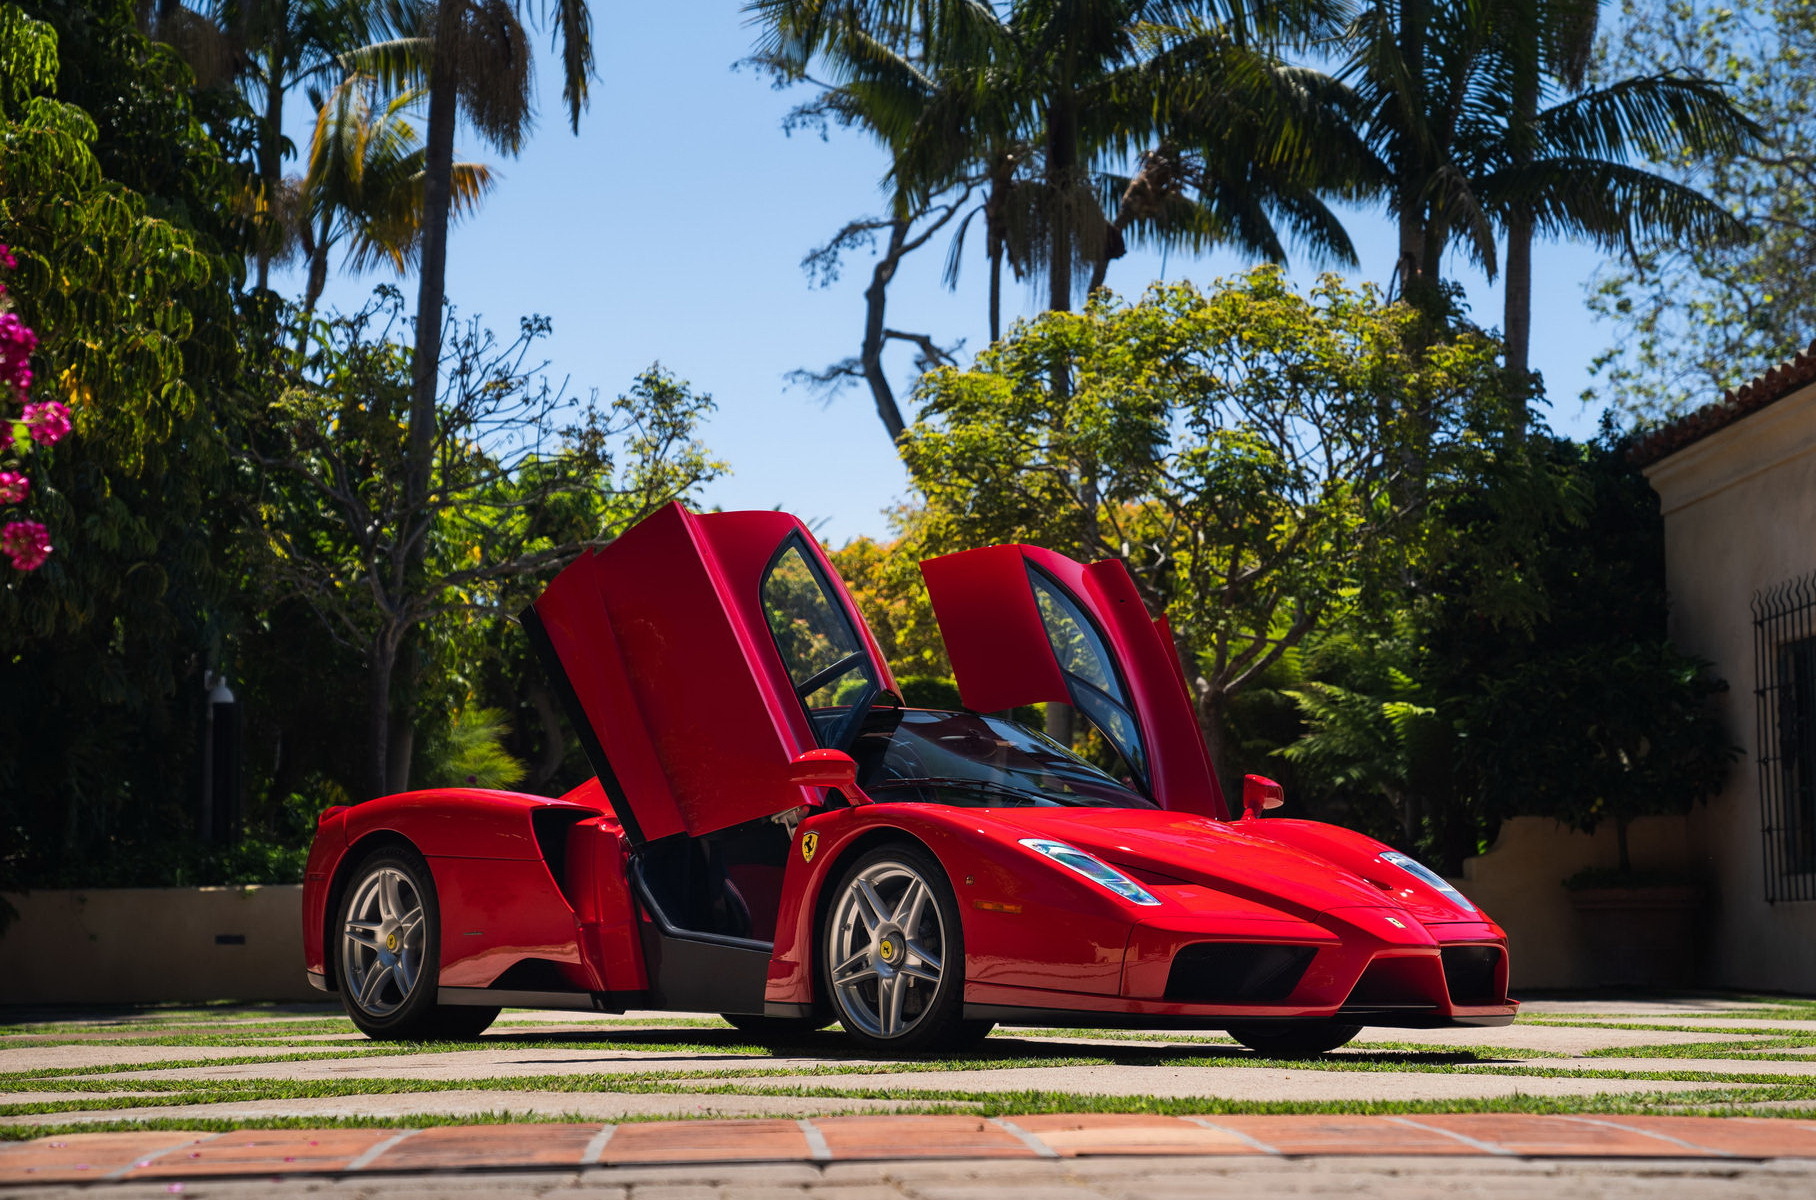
x=17, y=341
x=48, y=420
x=27, y=543
x=14, y=487
x=6, y=257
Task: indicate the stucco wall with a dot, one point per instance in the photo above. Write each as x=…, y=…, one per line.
x=1520, y=883
x=1740, y=516
x=144, y=945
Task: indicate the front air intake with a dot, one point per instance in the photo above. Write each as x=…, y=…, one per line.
x=1470, y=973
x=1237, y=972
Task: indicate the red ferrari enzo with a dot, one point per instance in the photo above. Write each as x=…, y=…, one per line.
x=773, y=835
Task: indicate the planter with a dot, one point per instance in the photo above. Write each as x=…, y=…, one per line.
x=147, y=945
x=1641, y=936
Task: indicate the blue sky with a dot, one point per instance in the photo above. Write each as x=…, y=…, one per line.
x=672, y=229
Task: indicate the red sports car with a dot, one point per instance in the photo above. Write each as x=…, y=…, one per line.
x=773, y=835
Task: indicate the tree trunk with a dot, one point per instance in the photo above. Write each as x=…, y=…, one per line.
x=419, y=465
x=1413, y=268
x=271, y=149
x=554, y=742
x=876, y=298
x=380, y=658
x=406, y=680
x=1517, y=319
x=1062, y=161
x=1216, y=733
x=996, y=290
x=318, y=281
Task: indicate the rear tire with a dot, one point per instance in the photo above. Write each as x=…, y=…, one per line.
x=891, y=955
x=388, y=953
x=1299, y=1039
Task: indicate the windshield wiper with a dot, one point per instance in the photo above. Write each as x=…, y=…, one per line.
x=960, y=783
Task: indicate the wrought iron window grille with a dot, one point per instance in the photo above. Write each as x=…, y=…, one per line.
x=1784, y=659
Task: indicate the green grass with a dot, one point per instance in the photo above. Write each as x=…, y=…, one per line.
x=1712, y=1102
x=828, y=1075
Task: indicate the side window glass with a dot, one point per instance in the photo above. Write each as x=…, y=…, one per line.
x=1090, y=671
x=820, y=647
x=1081, y=653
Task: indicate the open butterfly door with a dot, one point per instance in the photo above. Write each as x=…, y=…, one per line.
x=699, y=654
x=1023, y=625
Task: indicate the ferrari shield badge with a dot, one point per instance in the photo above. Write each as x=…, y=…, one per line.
x=810, y=842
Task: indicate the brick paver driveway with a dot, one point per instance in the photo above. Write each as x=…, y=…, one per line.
x=1710, y=1095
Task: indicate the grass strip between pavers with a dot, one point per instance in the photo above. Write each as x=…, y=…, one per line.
x=94, y=1094
x=1714, y=1103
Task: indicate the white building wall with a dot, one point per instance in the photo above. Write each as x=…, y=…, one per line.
x=1740, y=517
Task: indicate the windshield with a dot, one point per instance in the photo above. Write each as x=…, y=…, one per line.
x=977, y=762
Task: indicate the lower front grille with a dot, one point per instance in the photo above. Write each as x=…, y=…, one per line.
x=1237, y=972
x=1470, y=973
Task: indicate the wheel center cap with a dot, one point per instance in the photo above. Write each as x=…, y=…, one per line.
x=889, y=949
x=391, y=942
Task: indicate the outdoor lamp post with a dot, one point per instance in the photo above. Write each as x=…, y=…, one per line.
x=220, y=816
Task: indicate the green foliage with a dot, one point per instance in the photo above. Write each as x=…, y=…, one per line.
x=523, y=478
x=1246, y=450
x=884, y=578
x=468, y=751
x=1696, y=318
x=122, y=275
x=1544, y=686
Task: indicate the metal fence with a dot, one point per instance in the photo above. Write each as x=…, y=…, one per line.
x=1784, y=660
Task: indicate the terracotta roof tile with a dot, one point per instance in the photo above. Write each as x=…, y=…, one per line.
x=1767, y=389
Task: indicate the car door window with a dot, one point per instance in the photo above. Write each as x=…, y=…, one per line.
x=825, y=657
x=1089, y=670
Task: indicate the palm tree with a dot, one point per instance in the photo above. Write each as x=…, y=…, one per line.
x=1543, y=40
x=364, y=185
x=473, y=59
x=1035, y=102
x=1441, y=82
x=284, y=44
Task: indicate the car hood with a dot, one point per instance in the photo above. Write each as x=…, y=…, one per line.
x=1225, y=856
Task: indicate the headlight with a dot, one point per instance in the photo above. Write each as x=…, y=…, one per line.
x=1427, y=876
x=1094, y=869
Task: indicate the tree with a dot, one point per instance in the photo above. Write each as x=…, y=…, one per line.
x=1439, y=83
x=283, y=45
x=112, y=209
x=1027, y=110
x=473, y=58
x=512, y=494
x=1240, y=449
x=364, y=184
x=1530, y=674
x=1694, y=318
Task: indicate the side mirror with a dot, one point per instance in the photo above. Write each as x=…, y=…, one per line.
x=825, y=769
x=1260, y=793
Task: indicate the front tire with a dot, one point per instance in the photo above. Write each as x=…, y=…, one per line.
x=388, y=924
x=892, y=955
x=1300, y=1039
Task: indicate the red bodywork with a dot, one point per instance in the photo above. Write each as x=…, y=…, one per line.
x=693, y=720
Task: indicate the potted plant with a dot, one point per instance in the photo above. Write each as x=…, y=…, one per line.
x=1642, y=740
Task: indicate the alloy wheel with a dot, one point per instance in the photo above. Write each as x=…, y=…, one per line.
x=382, y=941
x=886, y=949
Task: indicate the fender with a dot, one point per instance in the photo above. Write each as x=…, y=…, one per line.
x=1027, y=922
x=489, y=853
x=1360, y=855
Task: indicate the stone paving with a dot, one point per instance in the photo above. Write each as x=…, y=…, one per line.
x=167, y=1101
